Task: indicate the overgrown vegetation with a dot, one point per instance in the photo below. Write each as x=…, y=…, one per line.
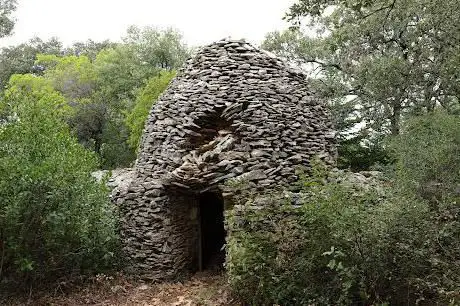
x=427, y=156
x=110, y=87
x=390, y=72
x=355, y=245
x=64, y=113
x=54, y=218
x=376, y=62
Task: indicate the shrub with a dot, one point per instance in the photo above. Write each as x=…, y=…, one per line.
x=428, y=156
x=341, y=244
x=428, y=167
x=357, y=154
x=54, y=218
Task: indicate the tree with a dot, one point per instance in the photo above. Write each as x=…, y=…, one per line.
x=6, y=22
x=89, y=48
x=54, y=217
x=135, y=120
x=157, y=49
x=96, y=121
x=99, y=82
x=27, y=91
x=73, y=76
x=121, y=73
x=20, y=59
x=379, y=59
x=118, y=74
x=144, y=54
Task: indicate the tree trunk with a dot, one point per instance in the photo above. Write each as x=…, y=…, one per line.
x=97, y=145
x=395, y=119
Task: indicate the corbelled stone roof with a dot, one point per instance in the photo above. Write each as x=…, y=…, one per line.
x=242, y=98
x=232, y=112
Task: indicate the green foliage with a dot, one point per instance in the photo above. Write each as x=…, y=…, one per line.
x=278, y=254
x=73, y=76
x=359, y=154
x=20, y=59
x=101, y=84
x=156, y=49
x=136, y=118
x=117, y=74
x=97, y=118
x=89, y=48
x=337, y=243
x=7, y=7
x=144, y=54
x=28, y=91
x=115, y=151
x=122, y=72
x=428, y=156
x=54, y=217
x=377, y=61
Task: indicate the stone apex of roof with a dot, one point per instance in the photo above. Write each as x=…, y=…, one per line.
x=242, y=47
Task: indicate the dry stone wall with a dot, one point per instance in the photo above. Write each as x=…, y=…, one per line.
x=234, y=112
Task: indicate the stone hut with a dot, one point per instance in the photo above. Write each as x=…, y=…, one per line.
x=233, y=113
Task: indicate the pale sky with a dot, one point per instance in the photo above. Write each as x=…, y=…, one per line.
x=200, y=21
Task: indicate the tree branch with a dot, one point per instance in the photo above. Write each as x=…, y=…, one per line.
x=391, y=6
x=323, y=64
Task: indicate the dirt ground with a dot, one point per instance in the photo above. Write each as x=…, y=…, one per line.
x=204, y=288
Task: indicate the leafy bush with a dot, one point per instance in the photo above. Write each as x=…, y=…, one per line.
x=54, y=217
x=336, y=243
x=428, y=156
x=357, y=154
x=135, y=120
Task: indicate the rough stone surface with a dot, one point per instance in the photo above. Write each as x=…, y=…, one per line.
x=233, y=113
x=119, y=178
x=364, y=180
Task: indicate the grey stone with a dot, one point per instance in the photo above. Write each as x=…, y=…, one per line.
x=233, y=112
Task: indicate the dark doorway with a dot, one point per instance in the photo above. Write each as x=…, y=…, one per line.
x=212, y=255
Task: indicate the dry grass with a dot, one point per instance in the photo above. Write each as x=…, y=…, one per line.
x=203, y=289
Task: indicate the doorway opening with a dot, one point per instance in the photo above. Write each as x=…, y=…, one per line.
x=212, y=231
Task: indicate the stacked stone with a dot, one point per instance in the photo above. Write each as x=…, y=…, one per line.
x=233, y=112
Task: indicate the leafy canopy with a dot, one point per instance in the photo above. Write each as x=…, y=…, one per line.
x=378, y=60
x=27, y=91
x=6, y=22
x=100, y=83
x=73, y=76
x=20, y=59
